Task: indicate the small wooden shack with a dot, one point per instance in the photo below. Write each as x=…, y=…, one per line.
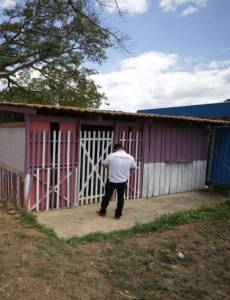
x=50, y=156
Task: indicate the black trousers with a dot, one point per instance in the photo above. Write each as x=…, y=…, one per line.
x=109, y=189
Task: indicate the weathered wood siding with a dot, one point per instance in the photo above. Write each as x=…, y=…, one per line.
x=12, y=150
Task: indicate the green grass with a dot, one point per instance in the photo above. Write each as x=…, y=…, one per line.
x=29, y=220
x=221, y=188
x=218, y=212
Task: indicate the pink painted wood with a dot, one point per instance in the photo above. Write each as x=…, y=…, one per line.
x=40, y=152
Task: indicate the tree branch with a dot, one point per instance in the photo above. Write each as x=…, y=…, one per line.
x=18, y=85
x=77, y=11
x=7, y=42
x=24, y=66
x=22, y=60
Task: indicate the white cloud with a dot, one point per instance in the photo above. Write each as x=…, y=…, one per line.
x=188, y=6
x=127, y=6
x=155, y=79
x=226, y=50
x=188, y=11
x=151, y=61
x=219, y=64
x=7, y=3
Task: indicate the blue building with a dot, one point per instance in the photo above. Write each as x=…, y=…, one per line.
x=214, y=110
x=219, y=152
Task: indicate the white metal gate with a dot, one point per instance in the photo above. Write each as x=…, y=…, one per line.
x=132, y=143
x=94, y=147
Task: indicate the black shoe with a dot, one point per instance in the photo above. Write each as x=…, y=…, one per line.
x=101, y=214
x=117, y=217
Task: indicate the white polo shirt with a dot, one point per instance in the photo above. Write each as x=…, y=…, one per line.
x=119, y=164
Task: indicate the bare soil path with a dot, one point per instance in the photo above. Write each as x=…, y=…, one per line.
x=143, y=267
x=83, y=220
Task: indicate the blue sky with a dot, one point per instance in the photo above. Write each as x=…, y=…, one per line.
x=203, y=35
x=179, y=53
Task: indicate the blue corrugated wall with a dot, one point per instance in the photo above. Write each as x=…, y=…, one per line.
x=221, y=110
x=220, y=163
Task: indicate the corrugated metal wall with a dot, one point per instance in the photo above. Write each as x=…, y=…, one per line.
x=221, y=110
x=220, y=159
x=175, y=159
x=177, y=144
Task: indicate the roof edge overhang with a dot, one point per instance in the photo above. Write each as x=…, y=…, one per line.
x=70, y=111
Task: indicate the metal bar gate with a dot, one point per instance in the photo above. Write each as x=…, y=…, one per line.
x=67, y=172
x=95, y=146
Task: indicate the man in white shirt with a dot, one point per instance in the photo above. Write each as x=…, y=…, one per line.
x=119, y=164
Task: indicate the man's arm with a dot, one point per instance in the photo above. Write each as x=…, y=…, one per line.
x=133, y=166
x=105, y=163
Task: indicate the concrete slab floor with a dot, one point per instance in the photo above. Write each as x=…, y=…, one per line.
x=83, y=220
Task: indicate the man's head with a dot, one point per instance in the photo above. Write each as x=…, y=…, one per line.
x=118, y=147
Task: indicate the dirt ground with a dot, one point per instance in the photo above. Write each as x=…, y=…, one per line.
x=145, y=267
x=82, y=220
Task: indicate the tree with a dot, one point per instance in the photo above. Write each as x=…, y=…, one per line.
x=44, y=45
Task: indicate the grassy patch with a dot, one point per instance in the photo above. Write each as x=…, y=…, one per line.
x=146, y=266
x=29, y=220
x=218, y=212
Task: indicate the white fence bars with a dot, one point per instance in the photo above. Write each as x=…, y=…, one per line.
x=53, y=170
x=11, y=187
x=132, y=143
x=65, y=172
x=94, y=147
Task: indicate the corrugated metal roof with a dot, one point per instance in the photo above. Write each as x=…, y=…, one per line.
x=214, y=110
x=67, y=110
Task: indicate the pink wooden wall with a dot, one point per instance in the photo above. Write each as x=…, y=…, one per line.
x=40, y=156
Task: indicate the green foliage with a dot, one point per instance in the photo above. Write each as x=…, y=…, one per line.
x=44, y=46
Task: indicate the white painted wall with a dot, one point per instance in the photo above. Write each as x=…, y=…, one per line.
x=12, y=148
x=169, y=178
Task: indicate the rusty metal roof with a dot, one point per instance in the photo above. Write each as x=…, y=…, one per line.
x=78, y=111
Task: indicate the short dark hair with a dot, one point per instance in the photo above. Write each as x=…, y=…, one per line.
x=117, y=146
